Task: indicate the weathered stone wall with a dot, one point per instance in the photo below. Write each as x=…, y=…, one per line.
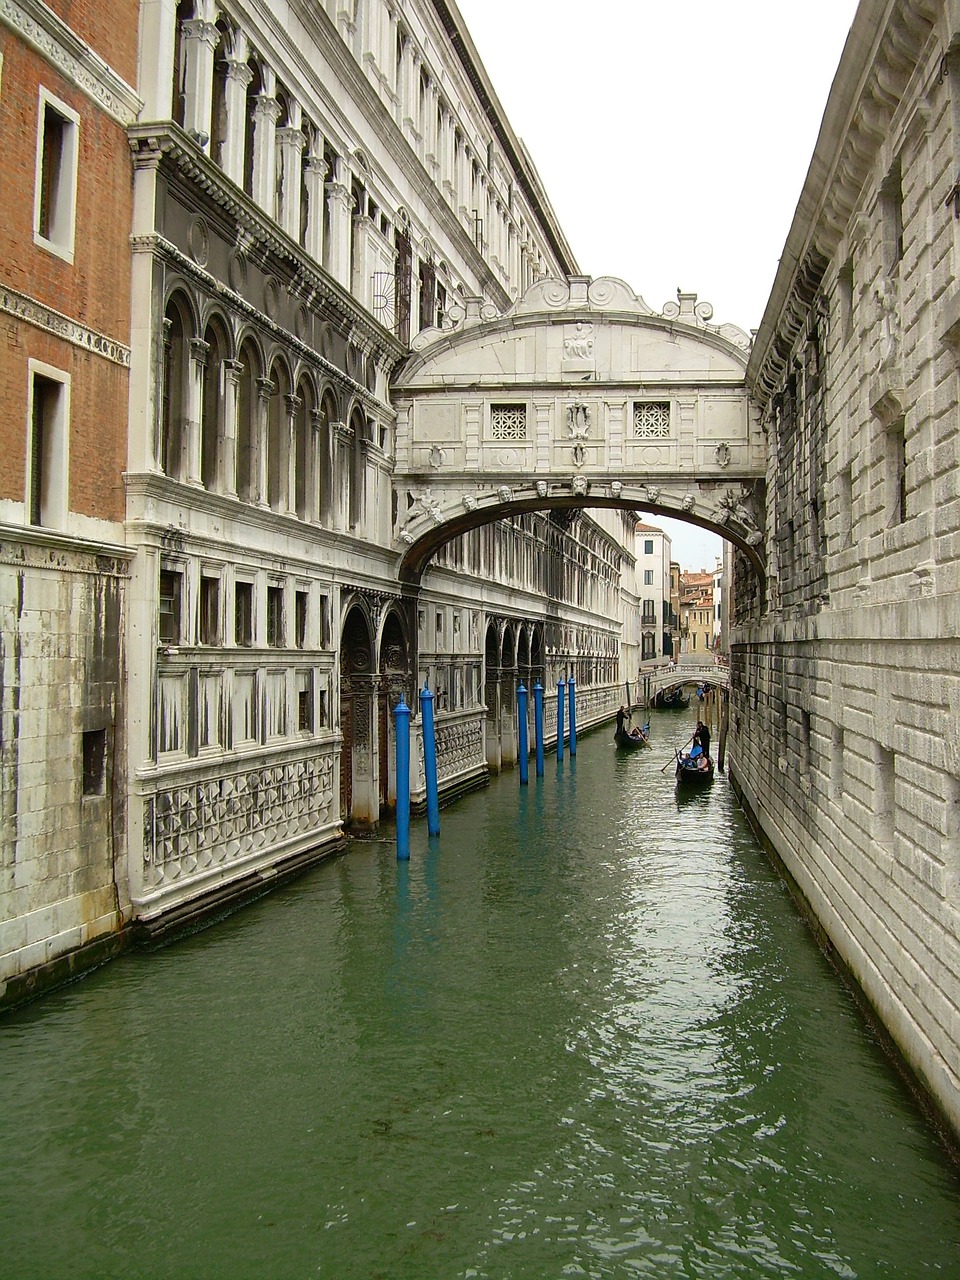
x=61, y=746
x=845, y=696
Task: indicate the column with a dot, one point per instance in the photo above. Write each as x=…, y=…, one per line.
x=232, y=369
x=431, y=133
x=199, y=39
x=266, y=113
x=158, y=35
x=340, y=202
x=314, y=468
x=292, y=143
x=239, y=75
x=193, y=415
x=288, y=456
x=265, y=389
x=314, y=177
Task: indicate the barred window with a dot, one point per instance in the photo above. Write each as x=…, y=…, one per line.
x=651, y=419
x=508, y=421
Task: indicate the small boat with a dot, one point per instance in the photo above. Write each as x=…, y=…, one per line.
x=691, y=773
x=671, y=700
x=629, y=741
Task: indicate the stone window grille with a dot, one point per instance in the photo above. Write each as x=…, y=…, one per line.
x=508, y=422
x=651, y=420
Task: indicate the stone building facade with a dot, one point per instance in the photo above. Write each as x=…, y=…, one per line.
x=846, y=692
x=65, y=105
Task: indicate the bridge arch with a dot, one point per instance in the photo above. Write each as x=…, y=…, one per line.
x=580, y=396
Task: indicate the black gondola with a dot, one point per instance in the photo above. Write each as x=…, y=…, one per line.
x=671, y=700
x=690, y=773
x=629, y=742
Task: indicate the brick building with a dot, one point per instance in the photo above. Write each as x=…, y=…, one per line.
x=65, y=103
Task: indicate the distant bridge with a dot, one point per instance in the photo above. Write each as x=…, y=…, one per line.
x=660, y=679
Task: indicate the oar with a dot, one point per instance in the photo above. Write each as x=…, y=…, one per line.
x=677, y=756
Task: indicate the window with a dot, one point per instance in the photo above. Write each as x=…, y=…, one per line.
x=55, y=195
x=275, y=636
x=94, y=762
x=648, y=577
x=209, y=610
x=896, y=472
x=47, y=456
x=301, y=602
x=171, y=593
x=891, y=212
x=508, y=422
x=243, y=614
x=651, y=420
x=648, y=546
x=649, y=612
x=324, y=622
x=305, y=701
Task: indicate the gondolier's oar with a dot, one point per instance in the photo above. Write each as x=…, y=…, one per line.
x=677, y=756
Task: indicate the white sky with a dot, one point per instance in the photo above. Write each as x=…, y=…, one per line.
x=672, y=137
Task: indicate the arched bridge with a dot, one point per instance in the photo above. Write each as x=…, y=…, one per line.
x=675, y=676
x=580, y=396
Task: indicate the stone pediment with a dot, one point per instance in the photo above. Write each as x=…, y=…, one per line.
x=578, y=330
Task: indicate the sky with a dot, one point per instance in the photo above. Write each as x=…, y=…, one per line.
x=672, y=137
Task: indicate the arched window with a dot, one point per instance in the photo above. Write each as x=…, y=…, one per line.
x=176, y=365
x=247, y=423
x=355, y=469
x=212, y=408
x=328, y=416
x=253, y=92
x=277, y=447
x=301, y=438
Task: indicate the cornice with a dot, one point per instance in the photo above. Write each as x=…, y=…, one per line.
x=883, y=53
x=40, y=28
x=37, y=313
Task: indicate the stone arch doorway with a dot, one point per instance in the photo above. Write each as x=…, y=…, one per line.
x=359, y=803
x=395, y=680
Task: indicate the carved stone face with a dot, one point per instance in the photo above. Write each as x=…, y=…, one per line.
x=541, y=488
x=469, y=502
x=616, y=488
x=504, y=494
x=580, y=486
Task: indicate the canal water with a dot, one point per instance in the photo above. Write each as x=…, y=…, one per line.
x=584, y=1033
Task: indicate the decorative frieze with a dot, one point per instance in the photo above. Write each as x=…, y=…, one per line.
x=43, y=317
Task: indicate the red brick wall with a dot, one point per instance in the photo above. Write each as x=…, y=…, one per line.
x=94, y=289
x=108, y=26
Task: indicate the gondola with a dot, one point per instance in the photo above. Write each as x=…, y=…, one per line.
x=628, y=742
x=672, y=700
x=689, y=774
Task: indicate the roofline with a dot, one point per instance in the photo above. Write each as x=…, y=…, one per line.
x=519, y=156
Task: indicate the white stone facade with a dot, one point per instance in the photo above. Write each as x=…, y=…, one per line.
x=846, y=694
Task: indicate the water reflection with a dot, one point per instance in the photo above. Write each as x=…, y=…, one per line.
x=582, y=1033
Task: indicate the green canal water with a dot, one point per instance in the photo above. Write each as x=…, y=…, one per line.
x=584, y=1033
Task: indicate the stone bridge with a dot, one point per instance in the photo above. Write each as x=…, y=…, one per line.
x=674, y=676
x=580, y=396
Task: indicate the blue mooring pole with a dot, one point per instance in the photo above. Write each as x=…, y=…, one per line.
x=572, y=691
x=561, y=700
x=430, y=761
x=522, y=729
x=538, y=725
x=401, y=714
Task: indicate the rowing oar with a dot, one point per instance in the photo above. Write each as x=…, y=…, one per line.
x=677, y=756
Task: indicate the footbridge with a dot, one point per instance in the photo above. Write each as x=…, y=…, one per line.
x=580, y=396
x=676, y=675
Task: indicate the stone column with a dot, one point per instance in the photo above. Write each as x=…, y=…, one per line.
x=288, y=456
x=232, y=369
x=199, y=351
x=265, y=389
x=239, y=75
x=340, y=201
x=292, y=143
x=158, y=40
x=431, y=133
x=411, y=93
x=266, y=113
x=315, y=176
x=199, y=39
x=314, y=464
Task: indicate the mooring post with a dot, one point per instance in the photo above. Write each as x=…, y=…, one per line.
x=538, y=725
x=430, y=761
x=561, y=701
x=572, y=690
x=523, y=734
x=401, y=714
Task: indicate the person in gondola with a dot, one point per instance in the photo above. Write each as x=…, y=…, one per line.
x=702, y=735
x=621, y=716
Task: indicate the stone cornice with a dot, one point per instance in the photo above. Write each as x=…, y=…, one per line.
x=38, y=314
x=40, y=28
x=885, y=45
